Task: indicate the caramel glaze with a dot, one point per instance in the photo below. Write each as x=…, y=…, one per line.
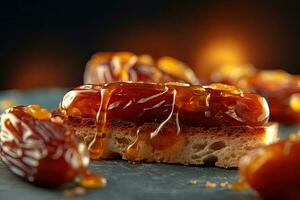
x=110, y=67
x=40, y=148
x=273, y=170
x=216, y=105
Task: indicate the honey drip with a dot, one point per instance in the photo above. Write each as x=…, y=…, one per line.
x=96, y=145
x=87, y=180
x=177, y=123
x=132, y=150
x=156, y=112
x=92, y=181
x=154, y=133
x=147, y=103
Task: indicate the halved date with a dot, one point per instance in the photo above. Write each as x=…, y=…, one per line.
x=214, y=105
x=40, y=148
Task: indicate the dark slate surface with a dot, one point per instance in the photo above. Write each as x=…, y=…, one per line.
x=125, y=180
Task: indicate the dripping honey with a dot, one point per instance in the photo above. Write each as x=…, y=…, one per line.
x=92, y=181
x=167, y=107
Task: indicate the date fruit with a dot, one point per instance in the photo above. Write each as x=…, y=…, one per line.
x=40, y=148
x=215, y=105
x=107, y=67
x=273, y=170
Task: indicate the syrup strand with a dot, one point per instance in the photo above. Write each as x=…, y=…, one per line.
x=133, y=149
x=156, y=131
x=91, y=180
x=177, y=123
x=105, y=94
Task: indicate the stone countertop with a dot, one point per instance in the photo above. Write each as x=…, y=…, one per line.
x=125, y=180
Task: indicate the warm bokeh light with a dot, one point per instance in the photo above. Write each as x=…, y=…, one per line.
x=231, y=72
x=202, y=34
x=220, y=53
x=33, y=70
x=224, y=51
x=36, y=75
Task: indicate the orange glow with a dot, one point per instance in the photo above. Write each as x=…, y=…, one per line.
x=223, y=52
x=41, y=69
x=220, y=53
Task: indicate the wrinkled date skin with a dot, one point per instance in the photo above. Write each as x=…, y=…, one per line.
x=107, y=67
x=39, y=148
x=215, y=105
x=273, y=171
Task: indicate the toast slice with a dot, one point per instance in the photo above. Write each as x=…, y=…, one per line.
x=170, y=123
x=222, y=147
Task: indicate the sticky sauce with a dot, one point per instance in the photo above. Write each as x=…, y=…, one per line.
x=141, y=103
x=92, y=181
x=166, y=107
x=101, y=118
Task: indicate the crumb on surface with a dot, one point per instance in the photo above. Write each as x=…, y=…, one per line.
x=74, y=192
x=228, y=185
x=93, y=181
x=193, y=181
x=134, y=162
x=210, y=184
x=238, y=186
x=224, y=184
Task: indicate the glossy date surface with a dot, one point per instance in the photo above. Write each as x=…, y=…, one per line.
x=273, y=170
x=40, y=148
x=214, y=105
x=107, y=67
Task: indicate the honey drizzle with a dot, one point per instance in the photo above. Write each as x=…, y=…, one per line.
x=157, y=130
x=133, y=149
x=177, y=123
x=96, y=145
x=87, y=180
x=91, y=180
x=186, y=102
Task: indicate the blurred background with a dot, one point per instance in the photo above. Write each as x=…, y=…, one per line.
x=47, y=43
